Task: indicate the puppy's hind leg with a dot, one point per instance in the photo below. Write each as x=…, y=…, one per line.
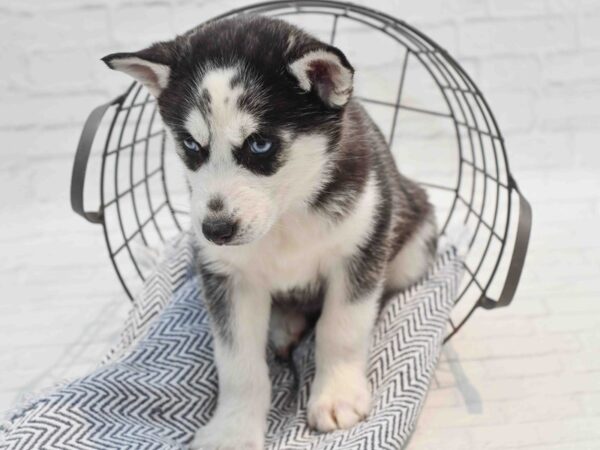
x=285, y=329
x=414, y=258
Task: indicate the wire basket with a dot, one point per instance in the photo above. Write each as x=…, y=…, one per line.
x=437, y=123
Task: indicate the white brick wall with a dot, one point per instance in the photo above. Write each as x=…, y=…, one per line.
x=525, y=377
x=537, y=61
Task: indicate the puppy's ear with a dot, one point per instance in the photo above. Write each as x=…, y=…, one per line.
x=151, y=66
x=327, y=71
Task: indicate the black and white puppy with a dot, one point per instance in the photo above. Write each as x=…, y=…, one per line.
x=297, y=206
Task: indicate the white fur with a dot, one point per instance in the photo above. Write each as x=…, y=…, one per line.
x=300, y=246
x=246, y=196
x=340, y=395
x=198, y=127
x=254, y=201
x=244, y=389
x=412, y=260
x=342, y=77
x=283, y=243
x=229, y=124
x=290, y=44
x=294, y=252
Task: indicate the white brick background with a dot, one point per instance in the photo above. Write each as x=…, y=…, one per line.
x=526, y=377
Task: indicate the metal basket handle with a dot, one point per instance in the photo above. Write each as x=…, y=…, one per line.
x=82, y=156
x=518, y=256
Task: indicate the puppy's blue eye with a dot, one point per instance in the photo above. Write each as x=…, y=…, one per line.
x=259, y=146
x=191, y=145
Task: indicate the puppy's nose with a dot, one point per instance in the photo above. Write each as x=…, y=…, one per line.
x=219, y=231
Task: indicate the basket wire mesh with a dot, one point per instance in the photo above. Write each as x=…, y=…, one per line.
x=446, y=137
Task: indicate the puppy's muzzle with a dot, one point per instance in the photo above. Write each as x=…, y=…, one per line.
x=218, y=230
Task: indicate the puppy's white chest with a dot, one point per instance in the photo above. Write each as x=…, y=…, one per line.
x=300, y=248
x=296, y=253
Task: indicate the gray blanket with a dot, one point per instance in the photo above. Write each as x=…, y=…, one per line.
x=159, y=384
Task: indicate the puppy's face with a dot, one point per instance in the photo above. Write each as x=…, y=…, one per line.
x=254, y=106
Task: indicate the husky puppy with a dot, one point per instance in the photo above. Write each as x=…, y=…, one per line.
x=297, y=206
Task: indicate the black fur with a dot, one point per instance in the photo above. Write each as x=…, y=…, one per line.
x=216, y=204
x=261, y=164
x=261, y=51
x=432, y=245
x=365, y=268
x=217, y=297
x=354, y=162
x=193, y=160
x=289, y=92
x=308, y=299
x=270, y=91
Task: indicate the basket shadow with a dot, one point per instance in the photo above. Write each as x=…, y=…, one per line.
x=468, y=392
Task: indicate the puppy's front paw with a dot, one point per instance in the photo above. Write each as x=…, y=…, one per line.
x=228, y=434
x=338, y=402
